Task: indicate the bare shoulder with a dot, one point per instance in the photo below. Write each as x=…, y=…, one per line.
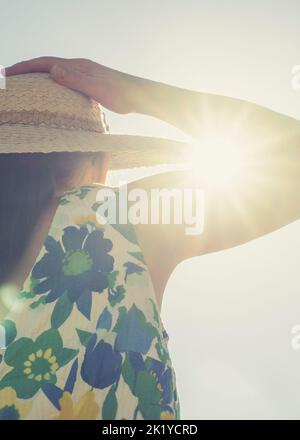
x=167, y=210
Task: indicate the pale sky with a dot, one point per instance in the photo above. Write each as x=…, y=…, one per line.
x=229, y=315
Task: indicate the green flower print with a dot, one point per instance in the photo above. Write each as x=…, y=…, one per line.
x=72, y=269
x=152, y=382
x=35, y=363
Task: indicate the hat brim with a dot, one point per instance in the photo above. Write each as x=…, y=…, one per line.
x=125, y=151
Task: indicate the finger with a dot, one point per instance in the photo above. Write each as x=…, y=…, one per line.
x=42, y=64
x=76, y=80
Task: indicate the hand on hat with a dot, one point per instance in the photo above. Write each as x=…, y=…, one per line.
x=117, y=91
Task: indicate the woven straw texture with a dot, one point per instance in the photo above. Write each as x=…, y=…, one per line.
x=39, y=115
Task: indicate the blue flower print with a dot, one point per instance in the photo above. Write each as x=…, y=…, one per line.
x=101, y=365
x=134, y=333
x=74, y=269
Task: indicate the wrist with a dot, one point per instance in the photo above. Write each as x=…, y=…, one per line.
x=149, y=98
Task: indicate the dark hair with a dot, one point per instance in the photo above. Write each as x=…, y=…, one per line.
x=27, y=184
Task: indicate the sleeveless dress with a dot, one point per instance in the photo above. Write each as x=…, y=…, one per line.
x=84, y=338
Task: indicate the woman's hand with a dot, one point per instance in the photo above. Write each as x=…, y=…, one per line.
x=117, y=91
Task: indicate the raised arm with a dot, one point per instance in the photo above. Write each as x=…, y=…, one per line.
x=264, y=196
x=196, y=113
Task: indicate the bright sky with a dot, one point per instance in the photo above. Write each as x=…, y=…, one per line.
x=229, y=315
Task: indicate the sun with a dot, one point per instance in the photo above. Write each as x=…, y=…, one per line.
x=222, y=159
x=220, y=164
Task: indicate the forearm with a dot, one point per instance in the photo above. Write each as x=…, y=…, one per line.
x=201, y=114
x=270, y=142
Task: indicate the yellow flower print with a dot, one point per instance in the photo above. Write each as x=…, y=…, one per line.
x=10, y=406
x=166, y=415
x=40, y=354
x=89, y=218
x=85, y=409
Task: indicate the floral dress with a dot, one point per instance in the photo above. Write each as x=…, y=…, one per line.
x=84, y=338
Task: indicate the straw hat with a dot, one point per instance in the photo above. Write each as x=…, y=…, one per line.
x=39, y=115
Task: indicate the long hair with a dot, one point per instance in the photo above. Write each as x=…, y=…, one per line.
x=27, y=184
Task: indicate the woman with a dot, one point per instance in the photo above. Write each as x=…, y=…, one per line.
x=84, y=337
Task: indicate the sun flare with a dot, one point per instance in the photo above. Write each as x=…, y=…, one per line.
x=221, y=164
